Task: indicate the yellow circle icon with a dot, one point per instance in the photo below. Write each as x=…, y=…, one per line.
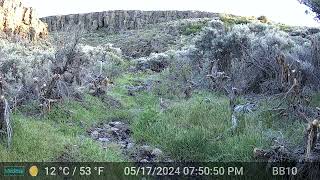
x=33, y=171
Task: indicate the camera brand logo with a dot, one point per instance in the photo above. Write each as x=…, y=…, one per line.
x=14, y=171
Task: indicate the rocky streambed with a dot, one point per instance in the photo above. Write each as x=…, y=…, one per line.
x=117, y=133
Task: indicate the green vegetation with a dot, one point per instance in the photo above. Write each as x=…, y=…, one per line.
x=230, y=20
x=198, y=130
x=193, y=28
x=61, y=135
x=33, y=141
x=194, y=129
x=285, y=28
x=315, y=100
x=74, y=117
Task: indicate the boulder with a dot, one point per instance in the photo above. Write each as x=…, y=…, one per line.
x=16, y=19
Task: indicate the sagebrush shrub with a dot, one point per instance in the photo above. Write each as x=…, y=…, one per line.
x=64, y=69
x=248, y=54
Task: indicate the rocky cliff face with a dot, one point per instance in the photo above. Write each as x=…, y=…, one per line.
x=17, y=19
x=114, y=21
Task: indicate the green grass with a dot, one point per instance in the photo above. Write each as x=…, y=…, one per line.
x=197, y=129
x=89, y=151
x=231, y=20
x=61, y=133
x=192, y=28
x=74, y=117
x=33, y=141
x=315, y=100
x=120, y=91
x=190, y=129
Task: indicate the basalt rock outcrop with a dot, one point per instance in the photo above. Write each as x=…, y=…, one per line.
x=115, y=21
x=16, y=19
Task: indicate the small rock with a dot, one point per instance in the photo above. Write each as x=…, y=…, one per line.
x=95, y=135
x=103, y=140
x=169, y=160
x=115, y=123
x=127, y=131
x=144, y=161
x=123, y=144
x=114, y=129
x=70, y=124
x=116, y=136
x=146, y=148
x=124, y=136
x=99, y=129
x=106, y=126
x=156, y=152
x=130, y=145
x=145, y=151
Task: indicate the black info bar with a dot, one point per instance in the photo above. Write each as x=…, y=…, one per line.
x=159, y=170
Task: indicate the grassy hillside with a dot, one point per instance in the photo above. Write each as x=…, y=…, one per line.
x=147, y=88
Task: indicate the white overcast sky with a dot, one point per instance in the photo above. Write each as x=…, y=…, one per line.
x=285, y=11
